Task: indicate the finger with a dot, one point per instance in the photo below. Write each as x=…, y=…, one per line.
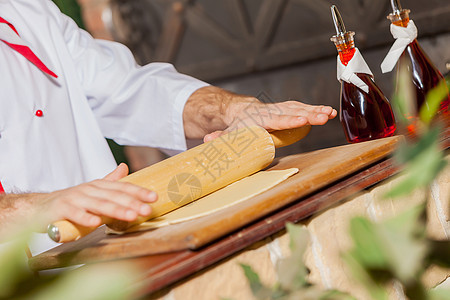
x=333, y=114
x=105, y=207
x=110, y=201
x=79, y=216
x=317, y=119
x=281, y=122
x=314, y=114
x=97, y=187
x=272, y=122
x=212, y=136
x=327, y=110
x=312, y=117
x=319, y=109
x=118, y=173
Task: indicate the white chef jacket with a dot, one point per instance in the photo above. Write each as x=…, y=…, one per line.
x=100, y=92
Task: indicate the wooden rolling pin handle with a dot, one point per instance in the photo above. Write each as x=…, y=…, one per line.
x=286, y=137
x=64, y=231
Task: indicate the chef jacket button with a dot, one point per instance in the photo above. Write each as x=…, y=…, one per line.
x=39, y=113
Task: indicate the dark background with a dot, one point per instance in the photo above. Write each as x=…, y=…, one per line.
x=281, y=48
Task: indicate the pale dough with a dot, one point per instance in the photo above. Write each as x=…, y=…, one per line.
x=232, y=194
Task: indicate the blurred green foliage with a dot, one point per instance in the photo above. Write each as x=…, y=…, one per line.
x=396, y=250
x=433, y=101
x=17, y=281
x=422, y=162
x=292, y=274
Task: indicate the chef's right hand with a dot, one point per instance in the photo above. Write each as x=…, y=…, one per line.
x=84, y=204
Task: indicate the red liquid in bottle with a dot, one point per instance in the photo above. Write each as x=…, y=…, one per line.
x=365, y=116
x=425, y=76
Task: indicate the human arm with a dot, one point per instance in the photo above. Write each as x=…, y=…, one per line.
x=82, y=204
x=156, y=106
x=210, y=111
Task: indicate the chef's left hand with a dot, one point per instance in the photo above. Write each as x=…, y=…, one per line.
x=212, y=111
x=248, y=111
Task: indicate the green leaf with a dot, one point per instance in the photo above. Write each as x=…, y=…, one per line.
x=407, y=152
x=419, y=174
x=252, y=277
x=108, y=282
x=433, y=101
x=315, y=293
x=425, y=164
x=404, y=100
x=278, y=292
x=258, y=289
x=406, y=249
x=400, y=109
x=403, y=188
x=298, y=237
x=439, y=294
x=335, y=295
x=360, y=274
x=396, y=248
x=408, y=222
x=13, y=262
x=368, y=246
x=292, y=271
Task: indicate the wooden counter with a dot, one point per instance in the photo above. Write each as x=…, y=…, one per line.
x=170, y=254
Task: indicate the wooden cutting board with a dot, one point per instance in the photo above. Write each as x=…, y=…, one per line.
x=317, y=170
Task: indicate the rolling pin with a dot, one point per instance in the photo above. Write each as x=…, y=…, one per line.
x=195, y=173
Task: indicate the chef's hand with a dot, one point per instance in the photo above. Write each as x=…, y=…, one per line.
x=84, y=204
x=212, y=111
x=273, y=116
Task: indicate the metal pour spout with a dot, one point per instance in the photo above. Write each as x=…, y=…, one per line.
x=399, y=16
x=337, y=20
x=396, y=6
x=342, y=35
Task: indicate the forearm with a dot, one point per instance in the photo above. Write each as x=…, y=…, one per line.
x=17, y=211
x=84, y=204
x=210, y=109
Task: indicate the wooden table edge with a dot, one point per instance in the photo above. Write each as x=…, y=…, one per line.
x=185, y=263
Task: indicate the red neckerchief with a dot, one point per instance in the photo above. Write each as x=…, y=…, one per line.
x=27, y=53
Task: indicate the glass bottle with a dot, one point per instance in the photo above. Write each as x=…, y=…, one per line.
x=425, y=75
x=364, y=116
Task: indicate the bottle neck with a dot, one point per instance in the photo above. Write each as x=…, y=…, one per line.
x=400, y=18
x=345, y=46
x=346, y=52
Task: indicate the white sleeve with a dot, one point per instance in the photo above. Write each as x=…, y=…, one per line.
x=134, y=105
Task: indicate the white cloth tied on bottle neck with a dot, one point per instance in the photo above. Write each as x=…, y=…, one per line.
x=348, y=72
x=403, y=37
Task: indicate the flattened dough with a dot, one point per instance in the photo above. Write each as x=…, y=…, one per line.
x=232, y=194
